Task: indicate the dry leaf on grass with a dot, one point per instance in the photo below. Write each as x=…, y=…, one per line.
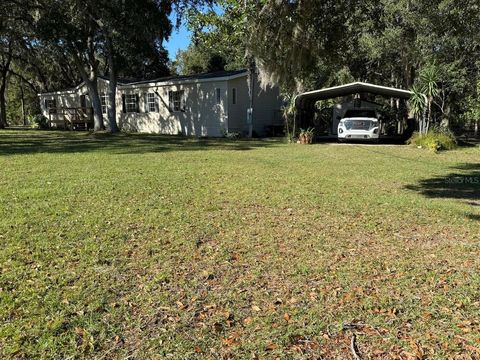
x=247, y=320
x=271, y=346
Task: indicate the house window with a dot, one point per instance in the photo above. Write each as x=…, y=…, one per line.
x=234, y=96
x=83, y=101
x=131, y=103
x=219, y=95
x=104, y=101
x=51, y=106
x=151, y=104
x=176, y=100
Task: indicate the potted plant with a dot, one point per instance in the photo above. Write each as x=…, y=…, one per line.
x=306, y=135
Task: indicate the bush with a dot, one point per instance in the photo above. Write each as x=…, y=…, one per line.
x=436, y=139
x=306, y=136
x=39, y=121
x=230, y=135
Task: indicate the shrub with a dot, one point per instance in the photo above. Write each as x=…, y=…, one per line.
x=436, y=139
x=232, y=135
x=306, y=136
x=39, y=121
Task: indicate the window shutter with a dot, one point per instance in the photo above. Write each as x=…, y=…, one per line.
x=145, y=102
x=137, y=102
x=182, y=100
x=46, y=104
x=157, y=105
x=124, y=107
x=54, y=103
x=170, y=101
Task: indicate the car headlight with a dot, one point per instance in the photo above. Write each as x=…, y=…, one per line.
x=340, y=131
x=375, y=131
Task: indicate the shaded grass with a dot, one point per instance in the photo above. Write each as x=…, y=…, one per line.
x=144, y=245
x=31, y=142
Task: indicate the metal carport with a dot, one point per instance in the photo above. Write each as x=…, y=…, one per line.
x=305, y=102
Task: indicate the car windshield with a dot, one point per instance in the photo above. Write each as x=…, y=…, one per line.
x=360, y=113
x=360, y=124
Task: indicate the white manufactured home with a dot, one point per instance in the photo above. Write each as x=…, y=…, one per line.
x=199, y=105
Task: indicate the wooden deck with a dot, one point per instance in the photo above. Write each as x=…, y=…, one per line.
x=71, y=118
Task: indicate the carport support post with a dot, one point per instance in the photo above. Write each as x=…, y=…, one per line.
x=294, y=123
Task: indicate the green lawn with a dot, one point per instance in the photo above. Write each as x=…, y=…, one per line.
x=162, y=247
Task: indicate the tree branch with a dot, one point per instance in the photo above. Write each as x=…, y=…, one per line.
x=28, y=82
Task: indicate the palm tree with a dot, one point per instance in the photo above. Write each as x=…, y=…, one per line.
x=429, y=86
x=418, y=105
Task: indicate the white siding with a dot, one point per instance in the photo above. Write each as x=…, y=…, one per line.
x=266, y=104
x=70, y=98
x=237, y=113
x=202, y=115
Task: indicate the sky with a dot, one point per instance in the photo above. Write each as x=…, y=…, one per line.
x=180, y=38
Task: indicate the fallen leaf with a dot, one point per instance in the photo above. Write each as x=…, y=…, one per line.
x=271, y=346
x=247, y=320
x=292, y=301
x=256, y=308
x=232, y=340
x=473, y=349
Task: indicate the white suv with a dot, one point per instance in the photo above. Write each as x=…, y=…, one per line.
x=359, y=124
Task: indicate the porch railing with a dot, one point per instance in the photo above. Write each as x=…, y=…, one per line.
x=70, y=118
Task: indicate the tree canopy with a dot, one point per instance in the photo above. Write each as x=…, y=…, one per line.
x=429, y=45
x=50, y=44
x=303, y=45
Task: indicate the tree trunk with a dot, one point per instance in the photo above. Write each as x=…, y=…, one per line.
x=3, y=102
x=429, y=119
x=251, y=91
x=423, y=121
x=112, y=96
x=446, y=116
x=92, y=86
x=3, y=86
x=24, y=118
x=250, y=78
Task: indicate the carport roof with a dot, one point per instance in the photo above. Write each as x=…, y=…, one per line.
x=308, y=99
